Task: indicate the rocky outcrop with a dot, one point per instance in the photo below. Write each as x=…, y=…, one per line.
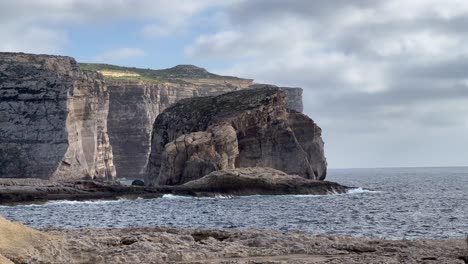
x=257, y=180
x=293, y=96
x=236, y=246
x=53, y=119
x=246, y=128
x=21, y=244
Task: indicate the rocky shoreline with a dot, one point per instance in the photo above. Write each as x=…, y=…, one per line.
x=15, y=191
x=20, y=244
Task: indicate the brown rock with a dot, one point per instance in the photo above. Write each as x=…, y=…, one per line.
x=196, y=136
x=253, y=181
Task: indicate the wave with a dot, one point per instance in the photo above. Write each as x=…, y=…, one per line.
x=93, y=202
x=218, y=196
x=172, y=196
x=360, y=190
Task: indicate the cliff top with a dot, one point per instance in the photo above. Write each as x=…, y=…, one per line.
x=180, y=73
x=212, y=109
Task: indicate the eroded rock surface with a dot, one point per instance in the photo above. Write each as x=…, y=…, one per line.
x=53, y=119
x=257, y=180
x=246, y=128
x=165, y=245
x=133, y=108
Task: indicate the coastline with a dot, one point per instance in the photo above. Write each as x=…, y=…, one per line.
x=19, y=191
x=168, y=245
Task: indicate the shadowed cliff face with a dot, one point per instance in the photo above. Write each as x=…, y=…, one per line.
x=246, y=128
x=53, y=119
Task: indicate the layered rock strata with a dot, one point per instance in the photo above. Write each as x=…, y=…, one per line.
x=137, y=96
x=53, y=119
x=246, y=128
x=133, y=108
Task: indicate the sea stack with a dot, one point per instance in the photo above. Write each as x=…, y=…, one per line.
x=246, y=128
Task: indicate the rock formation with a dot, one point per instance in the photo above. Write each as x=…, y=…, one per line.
x=53, y=119
x=246, y=128
x=21, y=244
x=160, y=245
x=293, y=96
x=257, y=180
x=137, y=96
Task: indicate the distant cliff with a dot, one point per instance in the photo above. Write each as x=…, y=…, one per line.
x=138, y=96
x=53, y=119
x=246, y=128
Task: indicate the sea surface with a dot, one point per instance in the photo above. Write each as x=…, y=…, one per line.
x=406, y=203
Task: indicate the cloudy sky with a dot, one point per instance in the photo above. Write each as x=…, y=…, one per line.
x=386, y=80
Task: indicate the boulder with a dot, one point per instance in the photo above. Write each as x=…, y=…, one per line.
x=53, y=119
x=254, y=181
x=138, y=183
x=246, y=128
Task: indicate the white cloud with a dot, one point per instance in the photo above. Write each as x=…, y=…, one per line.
x=32, y=39
x=120, y=54
x=42, y=22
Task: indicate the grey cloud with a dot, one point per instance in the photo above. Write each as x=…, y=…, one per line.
x=420, y=60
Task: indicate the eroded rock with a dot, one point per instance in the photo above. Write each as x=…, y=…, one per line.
x=53, y=119
x=254, y=181
x=246, y=128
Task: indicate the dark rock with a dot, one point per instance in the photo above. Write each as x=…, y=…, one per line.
x=138, y=183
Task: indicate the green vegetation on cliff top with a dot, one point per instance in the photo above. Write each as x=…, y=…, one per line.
x=177, y=73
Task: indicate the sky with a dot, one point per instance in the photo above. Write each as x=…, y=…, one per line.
x=386, y=80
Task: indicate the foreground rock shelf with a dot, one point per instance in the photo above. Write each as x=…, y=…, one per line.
x=20, y=244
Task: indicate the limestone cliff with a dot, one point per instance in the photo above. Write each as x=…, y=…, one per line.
x=53, y=119
x=246, y=128
x=137, y=96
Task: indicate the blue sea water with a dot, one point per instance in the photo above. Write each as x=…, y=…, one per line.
x=395, y=203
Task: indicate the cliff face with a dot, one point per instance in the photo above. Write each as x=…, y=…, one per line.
x=53, y=119
x=246, y=128
x=133, y=108
x=137, y=96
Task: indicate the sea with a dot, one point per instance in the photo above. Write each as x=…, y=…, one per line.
x=390, y=203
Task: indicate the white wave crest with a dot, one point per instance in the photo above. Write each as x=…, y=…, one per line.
x=360, y=190
x=93, y=202
x=172, y=196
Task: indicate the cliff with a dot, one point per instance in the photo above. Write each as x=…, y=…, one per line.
x=246, y=128
x=138, y=96
x=53, y=119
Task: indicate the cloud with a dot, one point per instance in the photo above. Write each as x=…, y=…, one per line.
x=390, y=73
x=120, y=54
x=32, y=39
x=39, y=25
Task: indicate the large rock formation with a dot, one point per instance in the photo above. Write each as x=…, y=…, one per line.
x=133, y=108
x=246, y=128
x=53, y=119
x=137, y=96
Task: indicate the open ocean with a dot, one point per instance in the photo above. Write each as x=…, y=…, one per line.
x=395, y=203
